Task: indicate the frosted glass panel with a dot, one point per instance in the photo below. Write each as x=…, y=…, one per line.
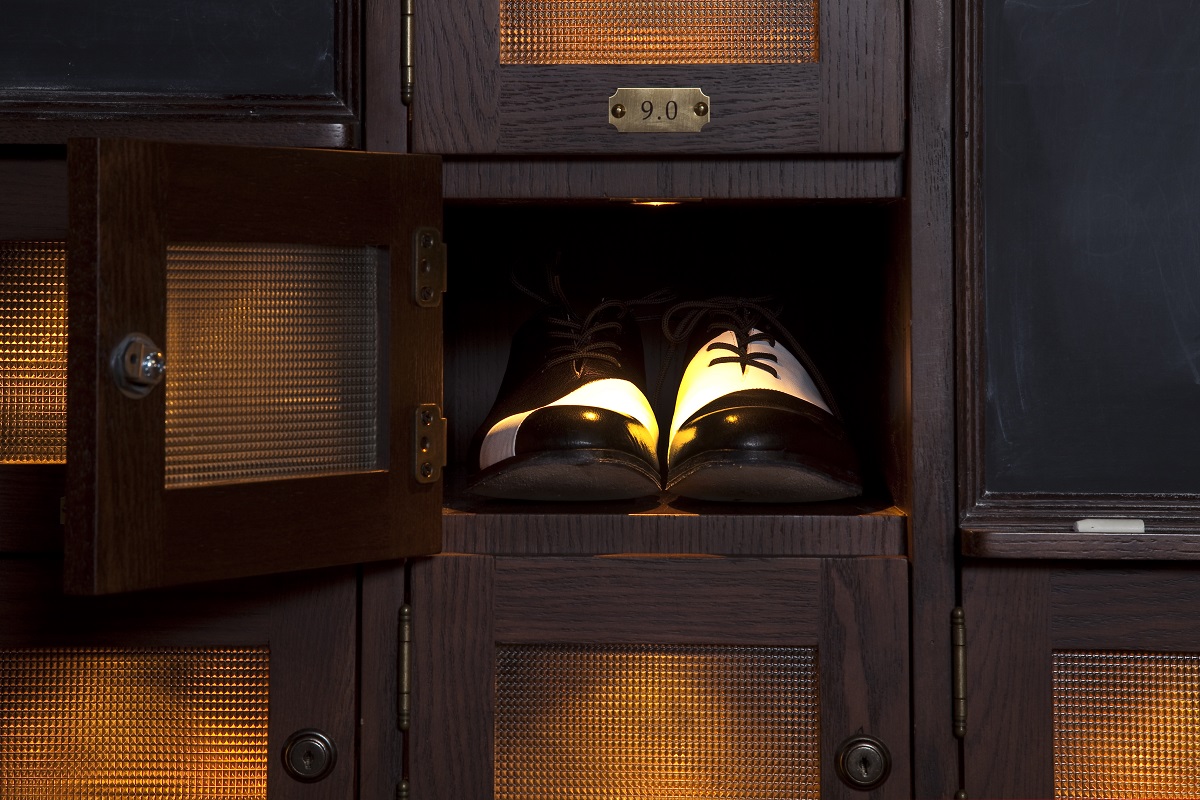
x=658, y=32
x=112, y=724
x=654, y=721
x=33, y=352
x=272, y=362
x=1126, y=725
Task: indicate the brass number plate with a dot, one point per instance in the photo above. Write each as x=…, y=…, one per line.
x=659, y=110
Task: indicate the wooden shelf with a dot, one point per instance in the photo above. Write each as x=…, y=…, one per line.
x=1070, y=545
x=674, y=525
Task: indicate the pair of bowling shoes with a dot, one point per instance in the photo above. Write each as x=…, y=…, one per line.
x=753, y=420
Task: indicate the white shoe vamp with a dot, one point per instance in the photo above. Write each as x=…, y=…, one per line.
x=702, y=383
x=613, y=394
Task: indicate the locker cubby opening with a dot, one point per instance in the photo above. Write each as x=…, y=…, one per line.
x=830, y=267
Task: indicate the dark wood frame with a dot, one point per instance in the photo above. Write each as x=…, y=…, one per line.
x=53, y=117
x=849, y=102
x=308, y=622
x=1017, y=614
x=1026, y=524
x=853, y=610
x=128, y=199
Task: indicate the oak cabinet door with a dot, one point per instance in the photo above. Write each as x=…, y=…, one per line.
x=190, y=693
x=254, y=373
x=1081, y=680
x=517, y=77
x=536, y=677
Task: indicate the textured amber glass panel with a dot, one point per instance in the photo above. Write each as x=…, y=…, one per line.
x=653, y=721
x=33, y=352
x=272, y=362
x=100, y=724
x=1126, y=724
x=658, y=31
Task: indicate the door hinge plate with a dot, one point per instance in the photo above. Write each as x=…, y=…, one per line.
x=958, y=660
x=407, y=83
x=429, y=443
x=429, y=268
x=404, y=669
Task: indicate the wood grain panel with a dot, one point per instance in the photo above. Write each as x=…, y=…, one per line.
x=822, y=531
x=1172, y=545
x=862, y=77
x=117, y=197
x=656, y=600
x=931, y=302
x=386, y=114
x=380, y=740
x=242, y=128
x=619, y=178
x=31, y=507
x=456, y=55
x=1008, y=750
x=754, y=109
x=450, y=751
x=33, y=195
x=1150, y=608
x=864, y=667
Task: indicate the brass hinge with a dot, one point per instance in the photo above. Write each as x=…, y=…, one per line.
x=404, y=669
x=429, y=268
x=958, y=661
x=429, y=443
x=406, y=52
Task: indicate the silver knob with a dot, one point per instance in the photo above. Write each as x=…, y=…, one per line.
x=138, y=365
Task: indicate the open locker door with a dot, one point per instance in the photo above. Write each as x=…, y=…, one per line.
x=255, y=361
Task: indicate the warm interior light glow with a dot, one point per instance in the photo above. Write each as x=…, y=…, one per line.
x=1126, y=724
x=96, y=724
x=655, y=721
x=33, y=352
x=536, y=32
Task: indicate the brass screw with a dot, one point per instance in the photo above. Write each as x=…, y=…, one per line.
x=427, y=470
x=426, y=293
x=426, y=241
x=618, y=111
x=701, y=109
x=426, y=417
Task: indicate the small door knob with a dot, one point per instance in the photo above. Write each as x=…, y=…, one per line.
x=863, y=762
x=138, y=365
x=309, y=755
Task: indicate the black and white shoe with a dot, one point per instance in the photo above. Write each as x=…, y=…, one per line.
x=571, y=421
x=753, y=421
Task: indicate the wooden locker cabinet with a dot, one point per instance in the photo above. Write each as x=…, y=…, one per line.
x=467, y=609
x=125, y=527
x=304, y=623
x=1112, y=730
x=1078, y=488
x=849, y=99
x=243, y=74
x=869, y=123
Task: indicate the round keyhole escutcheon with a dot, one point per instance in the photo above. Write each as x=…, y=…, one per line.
x=309, y=755
x=863, y=762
